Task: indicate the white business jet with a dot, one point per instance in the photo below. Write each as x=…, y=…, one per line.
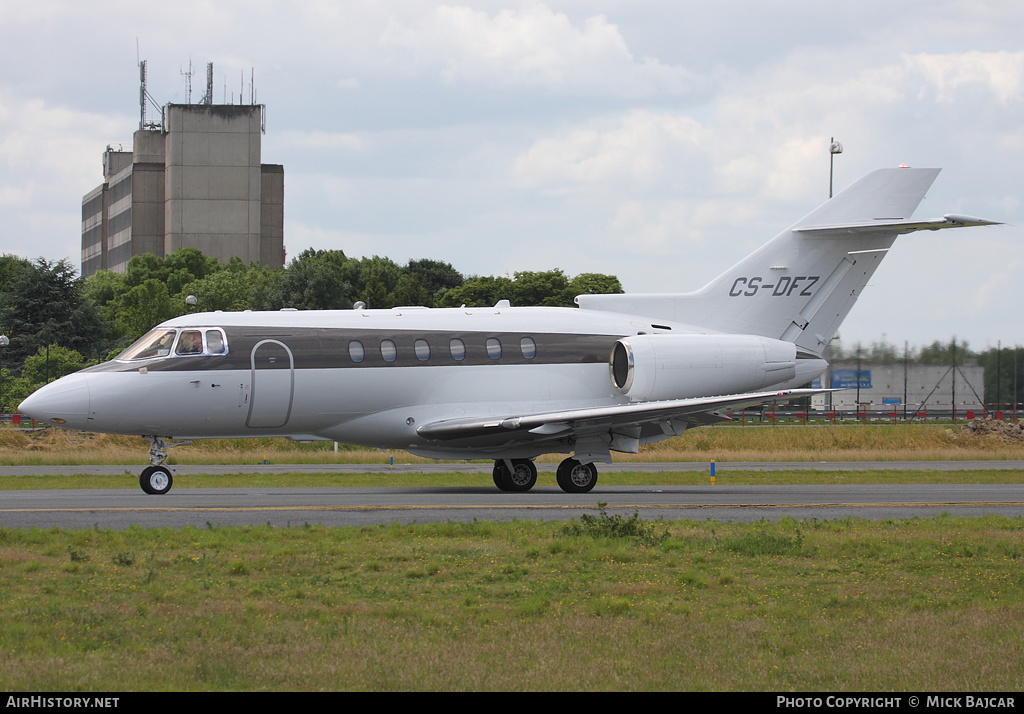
x=507, y=383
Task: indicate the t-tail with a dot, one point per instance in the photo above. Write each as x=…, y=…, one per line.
x=800, y=286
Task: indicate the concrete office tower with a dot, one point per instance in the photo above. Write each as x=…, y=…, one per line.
x=194, y=181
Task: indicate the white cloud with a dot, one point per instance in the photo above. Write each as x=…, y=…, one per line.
x=639, y=150
x=322, y=140
x=999, y=73
x=532, y=47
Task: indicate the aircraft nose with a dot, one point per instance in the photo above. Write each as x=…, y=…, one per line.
x=64, y=402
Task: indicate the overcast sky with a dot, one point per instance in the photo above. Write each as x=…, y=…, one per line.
x=659, y=141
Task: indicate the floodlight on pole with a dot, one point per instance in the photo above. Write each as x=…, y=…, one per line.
x=834, y=148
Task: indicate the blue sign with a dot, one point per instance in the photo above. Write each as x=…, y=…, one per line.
x=848, y=378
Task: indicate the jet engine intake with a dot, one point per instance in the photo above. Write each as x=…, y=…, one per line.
x=657, y=367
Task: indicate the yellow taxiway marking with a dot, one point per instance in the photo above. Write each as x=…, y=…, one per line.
x=581, y=507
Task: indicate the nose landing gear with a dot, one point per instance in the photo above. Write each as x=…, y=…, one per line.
x=156, y=478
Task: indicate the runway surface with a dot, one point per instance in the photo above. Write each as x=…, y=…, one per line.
x=203, y=507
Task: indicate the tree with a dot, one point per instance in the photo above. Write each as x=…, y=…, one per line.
x=142, y=307
x=45, y=304
x=51, y=364
x=315, y=281
x=1004, y=375
x=434, y=277
x=477, y=291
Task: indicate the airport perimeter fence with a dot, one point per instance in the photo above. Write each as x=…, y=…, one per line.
x=874, y=414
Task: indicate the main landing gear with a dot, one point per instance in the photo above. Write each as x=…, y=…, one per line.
x=521, y=474
x=156, y=478
x=514, y=474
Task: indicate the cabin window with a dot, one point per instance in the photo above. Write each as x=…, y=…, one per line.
x=494, y=348
x=356, y=351
x=458, y=349
x=388, y=350
x=215, y=342
x=422, y=349
x=528, y=347
x=190, y=342
x=155, y=343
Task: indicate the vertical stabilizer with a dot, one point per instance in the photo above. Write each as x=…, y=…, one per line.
x=800, y=285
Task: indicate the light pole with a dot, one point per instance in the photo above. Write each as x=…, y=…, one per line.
x=834, y=148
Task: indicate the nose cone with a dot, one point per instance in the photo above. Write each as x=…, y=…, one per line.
x=64, y=402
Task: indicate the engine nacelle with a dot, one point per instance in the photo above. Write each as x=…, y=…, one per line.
x=656, y=367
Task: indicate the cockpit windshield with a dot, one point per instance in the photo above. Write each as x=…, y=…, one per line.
x=155, y=343
x=160, y=342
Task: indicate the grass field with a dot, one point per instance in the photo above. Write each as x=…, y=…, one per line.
x=853, y=442
x=932, y=604
x=600, y=603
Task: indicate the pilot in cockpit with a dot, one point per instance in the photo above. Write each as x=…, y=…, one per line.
x=191, y=343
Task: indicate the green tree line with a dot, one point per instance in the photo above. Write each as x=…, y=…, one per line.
x=58, y=322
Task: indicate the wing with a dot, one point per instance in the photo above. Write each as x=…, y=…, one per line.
x=630, y=421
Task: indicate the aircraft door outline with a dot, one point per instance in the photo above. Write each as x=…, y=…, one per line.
x=272, y=385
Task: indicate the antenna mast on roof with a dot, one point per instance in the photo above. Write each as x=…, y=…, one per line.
x=208, y=97
x=144, y=98
x=142, y=94
x=188, y=81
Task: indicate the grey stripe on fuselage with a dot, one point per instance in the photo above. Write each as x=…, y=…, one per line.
x=328, y=348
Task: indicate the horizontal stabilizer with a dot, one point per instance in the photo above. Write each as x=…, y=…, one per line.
x=950, y=220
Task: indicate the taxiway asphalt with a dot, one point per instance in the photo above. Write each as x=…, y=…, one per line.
x=360, y=506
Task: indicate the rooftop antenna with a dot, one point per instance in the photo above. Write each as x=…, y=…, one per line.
x=142, y=94
x=188, y=80
x=208, y=97
x=144, y=97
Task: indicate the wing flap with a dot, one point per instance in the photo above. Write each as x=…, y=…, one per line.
x=702, y=410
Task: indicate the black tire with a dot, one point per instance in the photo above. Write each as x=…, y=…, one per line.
x=156, y=480
x=574, y=477
x=522, y=478
x=500, y=476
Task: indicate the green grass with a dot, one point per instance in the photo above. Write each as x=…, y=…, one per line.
x=931, y=604
x=849, y=442
x=129, y=479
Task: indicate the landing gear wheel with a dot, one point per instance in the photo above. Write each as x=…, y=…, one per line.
x=156, y=480
x=574, y=477
x=521, y=478
x=500, y=476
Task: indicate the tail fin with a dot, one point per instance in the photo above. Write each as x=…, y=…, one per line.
x=800, y=285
